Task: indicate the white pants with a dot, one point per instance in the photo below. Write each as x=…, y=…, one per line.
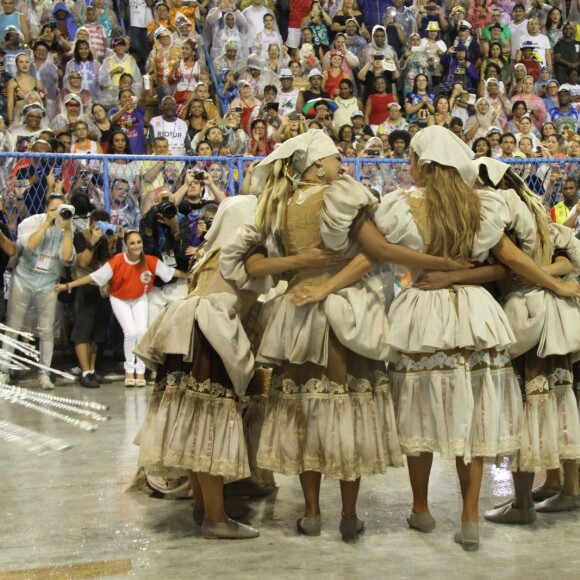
x=132, y=316
x=159, y=298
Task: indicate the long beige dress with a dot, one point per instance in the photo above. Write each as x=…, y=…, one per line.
x=330, y=408
x=454, y=387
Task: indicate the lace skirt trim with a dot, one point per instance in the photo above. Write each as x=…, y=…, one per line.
x=459, y=403
x=343, y=431
x=192, y=426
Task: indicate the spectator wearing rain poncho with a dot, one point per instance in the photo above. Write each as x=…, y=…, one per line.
x=378, y=45
x=111, y=71
x=230, y=58
x=64, y=21
x=163, y=63
x=221, y=27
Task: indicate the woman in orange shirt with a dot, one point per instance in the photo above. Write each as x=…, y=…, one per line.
x=131, y=275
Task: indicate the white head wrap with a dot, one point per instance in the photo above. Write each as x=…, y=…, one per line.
x=438, y=144
x=306, y=149
x=232, y=213
x=495, y=169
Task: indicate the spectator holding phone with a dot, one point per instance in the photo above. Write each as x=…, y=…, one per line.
x=131, y=276
x=45, y=245
x=94, y=245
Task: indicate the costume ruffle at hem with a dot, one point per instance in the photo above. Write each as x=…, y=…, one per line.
x=551, y=426
x=459, y=403
x=341, y=431
x=193, y=426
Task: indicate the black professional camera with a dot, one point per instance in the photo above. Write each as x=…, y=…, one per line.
x=166, y=209
x=199, y=176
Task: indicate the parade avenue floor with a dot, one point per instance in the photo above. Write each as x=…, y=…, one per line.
x=65, y=515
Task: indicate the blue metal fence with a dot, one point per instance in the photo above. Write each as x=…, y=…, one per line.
x=23, y=177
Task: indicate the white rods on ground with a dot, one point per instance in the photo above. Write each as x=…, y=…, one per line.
x=61, y=403
x=29, y=404
x=31, y=440
x=43, y=403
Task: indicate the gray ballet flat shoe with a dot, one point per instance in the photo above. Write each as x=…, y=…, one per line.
x=545, y=491
x=228, y=530
x=309, y=526
x=505, y=501
x=421, y=522
x=351, y=527
x=468, y=534
x=508, y=514
x=559, y=503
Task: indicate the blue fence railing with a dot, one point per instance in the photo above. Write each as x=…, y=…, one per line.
x=128, y=184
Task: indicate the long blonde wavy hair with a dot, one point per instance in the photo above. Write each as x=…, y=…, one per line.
x=272, y=200
x=454, y=211
x=544, y=249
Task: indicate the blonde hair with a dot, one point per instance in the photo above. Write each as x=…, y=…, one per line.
x=275, y=195
x=544, y=248
x=453, y=208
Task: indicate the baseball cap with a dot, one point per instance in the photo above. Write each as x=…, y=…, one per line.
x=461, y=46
x=357, y=114
x=528, y=44
x=496, y=25
x=286, y=73
x=565, y=88
x=314, y=73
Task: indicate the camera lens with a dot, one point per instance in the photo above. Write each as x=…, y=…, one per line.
x=166, y=209
x=66, y=214
x=199, y=175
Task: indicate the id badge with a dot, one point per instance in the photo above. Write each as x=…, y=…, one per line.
x=43, y=263
x=169, y=259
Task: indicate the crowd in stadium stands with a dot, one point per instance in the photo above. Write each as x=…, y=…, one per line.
x=234, y=78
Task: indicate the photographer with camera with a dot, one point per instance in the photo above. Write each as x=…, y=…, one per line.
x=166, y=235
x=94, y=245
x=44, y=248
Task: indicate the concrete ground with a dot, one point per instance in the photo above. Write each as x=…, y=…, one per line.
x=65, y=515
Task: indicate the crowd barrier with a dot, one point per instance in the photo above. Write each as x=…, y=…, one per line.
x=126, y=185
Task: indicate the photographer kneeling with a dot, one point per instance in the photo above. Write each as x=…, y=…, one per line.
x=94, y=245
x=44, y=247
x=166, y=235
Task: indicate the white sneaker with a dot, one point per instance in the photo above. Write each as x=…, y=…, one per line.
x=44, y=381
x=5, y=378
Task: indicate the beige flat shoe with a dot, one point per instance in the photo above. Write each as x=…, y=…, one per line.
x=351, y=527
x=421, y=522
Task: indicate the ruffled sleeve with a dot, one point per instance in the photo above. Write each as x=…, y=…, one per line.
x=344, y=201
x=563, y=238
x=521, y=221
x=494, y=218
x=234, y=254
x=395, y=221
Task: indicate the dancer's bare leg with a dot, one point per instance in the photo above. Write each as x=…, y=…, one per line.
x=523, y=483
x=310, y=482
x=571, y=484
x=349, y=493
x=470, y=477
x=196, y=488
x=419, y=471
x=212, y=487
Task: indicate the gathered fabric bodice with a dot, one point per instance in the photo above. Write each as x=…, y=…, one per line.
x=302, y=231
